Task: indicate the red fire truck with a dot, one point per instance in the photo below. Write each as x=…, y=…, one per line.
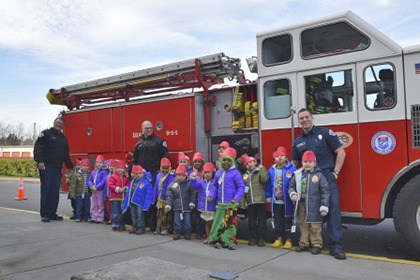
x=357, y=81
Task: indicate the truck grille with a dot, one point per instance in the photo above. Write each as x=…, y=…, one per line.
x=415, y=125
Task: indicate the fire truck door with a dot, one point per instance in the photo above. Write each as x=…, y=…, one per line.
x=330, y=94
x=278, y=93
x=383, y=132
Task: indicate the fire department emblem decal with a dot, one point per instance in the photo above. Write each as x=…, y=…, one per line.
x=383, y=142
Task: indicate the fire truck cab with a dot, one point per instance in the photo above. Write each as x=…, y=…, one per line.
x=364, y=87
x=357, y=82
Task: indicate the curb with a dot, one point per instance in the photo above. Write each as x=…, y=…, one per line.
x=15, y=180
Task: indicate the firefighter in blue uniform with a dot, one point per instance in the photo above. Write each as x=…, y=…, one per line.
x=50, y=151
x=330, y=155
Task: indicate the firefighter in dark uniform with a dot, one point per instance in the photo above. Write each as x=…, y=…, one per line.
x=330, y=155
x=50, y=151
x=148, y=152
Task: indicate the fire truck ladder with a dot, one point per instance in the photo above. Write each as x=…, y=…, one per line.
x=200, y=72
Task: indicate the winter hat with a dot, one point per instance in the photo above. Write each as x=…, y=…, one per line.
x=243, y=158
x=100, y=158
x=198, y=156
x=137, y=169
x=308, y=156
x=224, y=144
x=182, y=156
x=85, y=162
x=181, y=169
x=165, y=162
x=112, y=162
x=120, y=164
x=281, y=151
x=77, y=161
x=229, y=152
x=128, y=157
x=247, y=159
x=208, y=166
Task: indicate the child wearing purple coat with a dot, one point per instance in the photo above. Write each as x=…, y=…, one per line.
x=97, y=184
x=207, y=209
x=163, y=179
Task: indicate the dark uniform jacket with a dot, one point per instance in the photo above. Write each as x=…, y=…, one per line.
x=149, y=151
x=52, y=149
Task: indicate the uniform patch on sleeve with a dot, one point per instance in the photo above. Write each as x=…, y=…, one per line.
x=331, y=132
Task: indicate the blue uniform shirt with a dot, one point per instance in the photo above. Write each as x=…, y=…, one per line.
x=322, y=141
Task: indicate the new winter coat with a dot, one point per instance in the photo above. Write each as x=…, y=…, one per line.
x=255, y=185
x=98, y=178
x=77, y=184
x=116, y=184
x=180, y=195
x=166, y=182
x=203, y=189
x=142, y=194
x=287, y=174
x=227, y=185
x=317, y=193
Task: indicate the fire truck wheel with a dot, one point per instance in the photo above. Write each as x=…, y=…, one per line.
x=407, y=215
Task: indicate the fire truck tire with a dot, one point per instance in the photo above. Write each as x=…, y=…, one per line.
x=406, y=214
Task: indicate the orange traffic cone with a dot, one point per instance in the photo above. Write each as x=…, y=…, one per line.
x=21, y=191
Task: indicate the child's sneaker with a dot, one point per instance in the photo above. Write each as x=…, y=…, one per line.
x=176, y=236
x=78, y=220
x=132, y=230
x=139, y=231
x=261, y=243
x=164, y=232
x=277, y=244
x=316, y=250
x=301, y=248
x=288, y=244
x=252, y=242
x=232, y=246
x=218, y=245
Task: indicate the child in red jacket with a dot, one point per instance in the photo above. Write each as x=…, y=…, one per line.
x=117, y=184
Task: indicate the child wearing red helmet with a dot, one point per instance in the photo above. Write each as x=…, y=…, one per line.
x=181, y=198
x=117, y=185
x=97, y=184
x=309, y=188
x=207, y=209
x=163, y=179
x=138, y=197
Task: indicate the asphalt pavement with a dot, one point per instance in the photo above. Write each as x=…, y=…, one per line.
x=30, y=249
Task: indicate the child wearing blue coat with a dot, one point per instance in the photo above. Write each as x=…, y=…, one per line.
x=276, y=192
x=138, y=197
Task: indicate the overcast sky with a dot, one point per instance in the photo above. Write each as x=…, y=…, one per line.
x=49, y=44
